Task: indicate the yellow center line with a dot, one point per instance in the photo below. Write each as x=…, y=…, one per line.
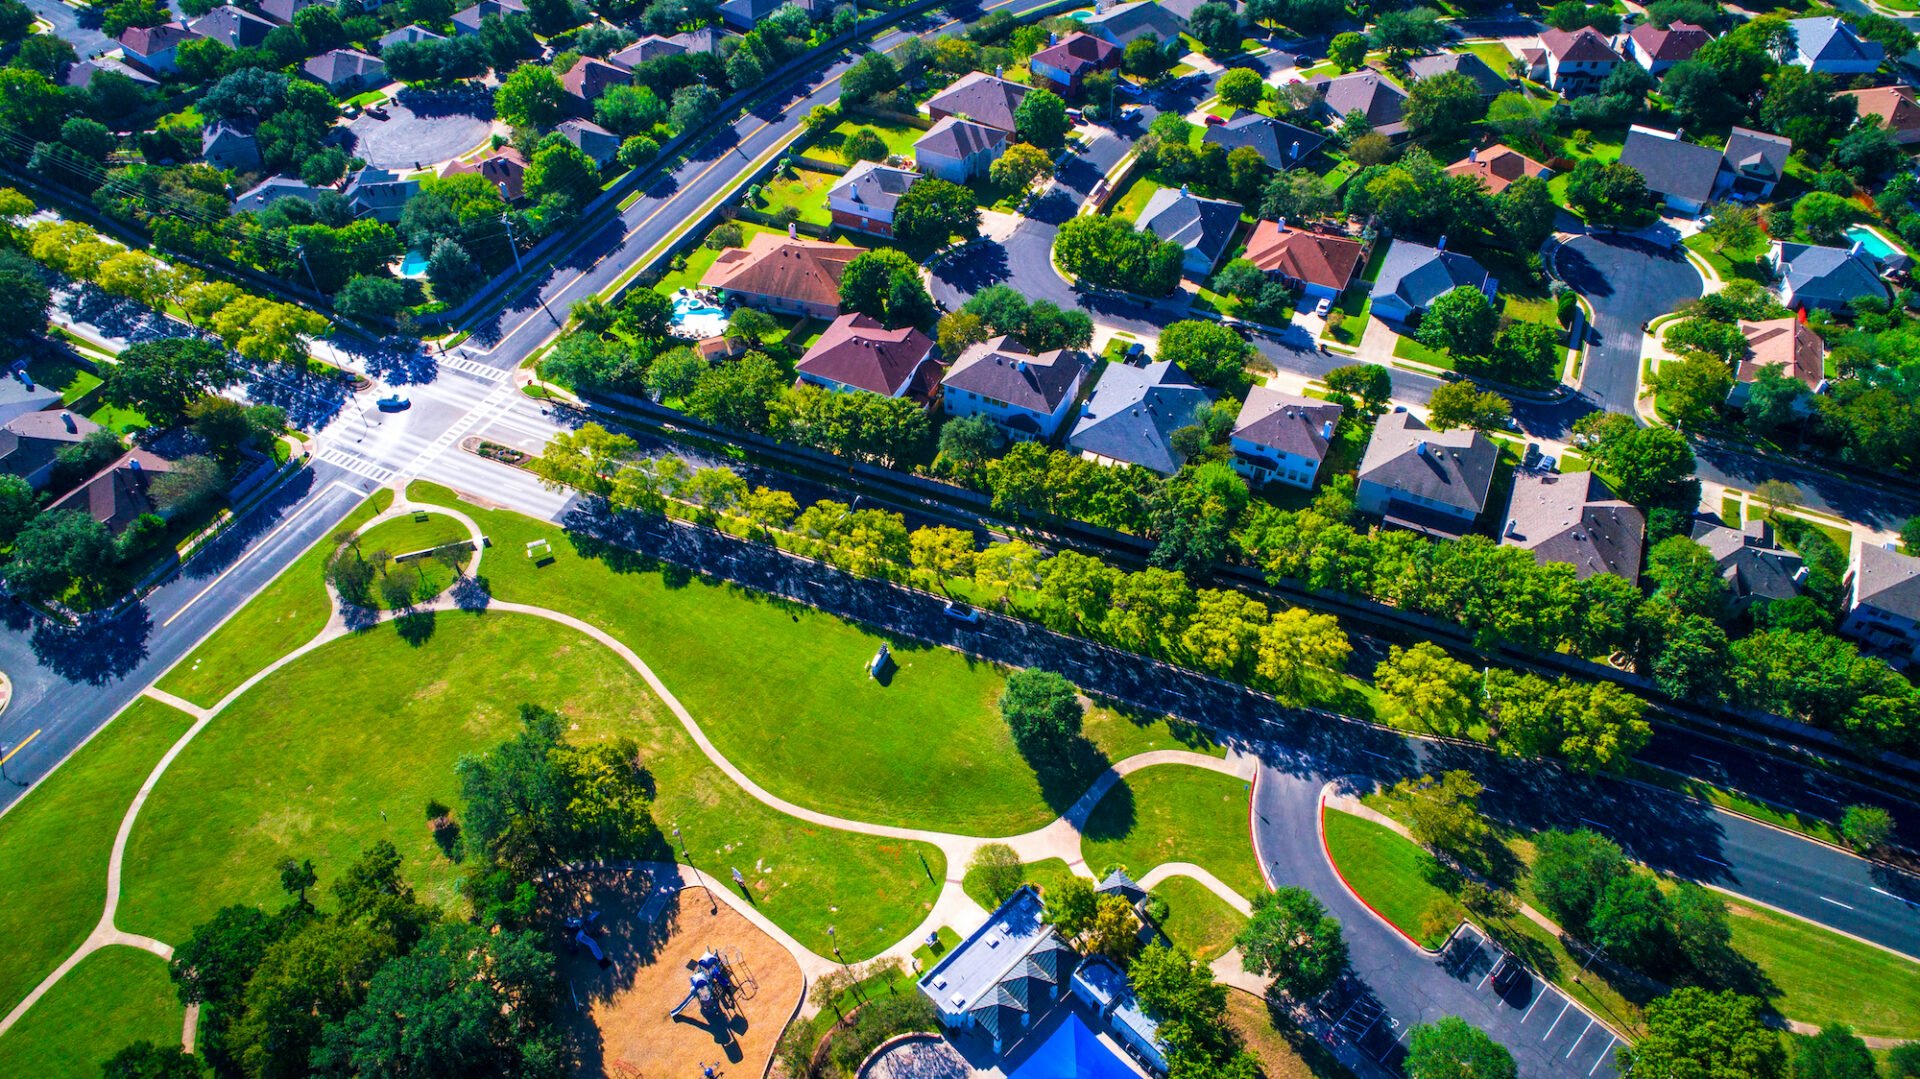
x=18, y=748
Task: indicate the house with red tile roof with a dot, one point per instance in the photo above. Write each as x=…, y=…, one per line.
x=784, y=273
x=1318, y=263
x=858, y=353
x=1498, y=166
x=1895, y=106
x=1786, y=343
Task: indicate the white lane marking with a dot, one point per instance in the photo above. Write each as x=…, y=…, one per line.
x=1602, y=1058
x=1537, y=998
x=257, y=548
x=1902, y=899
x=1836, y=902
x=1576, y=1041
x=1715, y=861
x=1556, y=1020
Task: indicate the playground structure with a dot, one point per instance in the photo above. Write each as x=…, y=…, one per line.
x=720, y=981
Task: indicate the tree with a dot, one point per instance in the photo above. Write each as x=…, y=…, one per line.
x=1903, y=1062
x=1217, y=27
x=1459, y=404
x=1694, y=387
x=145, y=1060
x=1631, y=920
x=933, y=210
x=1430, y=687
x=1865, y=827
x=1590, y=725
x=1146, y=57
x=1210, y=352
x=1735, y=226
x=875, y=73
x=1521, y=121
x=695, y=105
x=865, y=144
x=159, y=377
x=1109, y=252
x=885, y=284
x=1293, y=939
x=370, y=299
x=1866, y=151
x=970, y=441
x=1019, y=166
x=56, y=549
x=1570, y=872
x=768, y=508
x=1042, y=710
x=1367, y=383
x=1348, y=51
x=1608, y=195
x=674, y=373
x=1444, y=813
x=1115, y=932
x=1042, y=119
x=1451, y=1048
x=18, y=505
x=585, y=459
x=1834, y=1053
x=629, y=110
x=536, y=800
x=1407, y=32
x=998, y=870
x=1525, y=211
x=531, y=97
x=1297, y=642
x=1071, y=905
x=1442, y=107
x=561, y=176
x=1241, y=88
x=1645, y=462
x=1460, y=321
x=942, y=551
x=1688, y=577
x=1824, y=216
x=1695, y=1033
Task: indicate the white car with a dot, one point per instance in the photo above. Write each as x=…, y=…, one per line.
x=1325, y=305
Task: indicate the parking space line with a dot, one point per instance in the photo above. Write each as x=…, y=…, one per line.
x=1537, y=998
x=1602, y=1058
x=1576, y=1041
x=1556, y=1019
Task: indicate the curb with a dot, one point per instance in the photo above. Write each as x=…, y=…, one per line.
x=1321, y=823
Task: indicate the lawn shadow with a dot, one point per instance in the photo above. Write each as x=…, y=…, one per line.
x=415, y=627
x=1113, y=817
x=1065, y=774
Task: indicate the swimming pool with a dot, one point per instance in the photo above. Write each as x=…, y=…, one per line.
x=414, y=264
x=696, y=318
x=1073, y=1052
x=1874, y=244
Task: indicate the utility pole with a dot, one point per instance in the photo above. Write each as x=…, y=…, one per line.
x=512, y=245
x=301, y=252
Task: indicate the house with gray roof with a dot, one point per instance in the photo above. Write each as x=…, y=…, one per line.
x=78, y=76
x=863, y=199
x=1427, y=481
x=20, y=394
x=1103, y=987
x=379, y=194
x=1883, y=599
x=1282, y=437
x=344, y=70
x=1203, y=226
x=1751, y=164
x=283, y=11
x=1680, y=172
x=468, y=20
x=1824, y=277
x=1122, y=24
x=982, y=98
x=1280, y=144
x=1132, y=414
x=1828, y=45
x=651, y=47
x=1367, y=93
x=1756, y=569
x=410, y=34
x=593, y=140
x=273, y=189
x=1011, y=969
x=226, y=145
x=236, y=28
x=957, y=150
x=1491, y=83
x=1414, y=275
x=1026, y=396
x=1573, y=518
x=30, y=443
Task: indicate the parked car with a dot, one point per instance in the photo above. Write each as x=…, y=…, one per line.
x=1532, y=456
x=1512, y=424
x=1548, y=463
x=1215, y=121
x=1076, y=116
x=960, y=612
x=1325, y=305
x=1127, y=88
x=1505, y=974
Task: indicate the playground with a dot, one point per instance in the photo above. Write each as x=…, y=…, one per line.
x=638, y=1012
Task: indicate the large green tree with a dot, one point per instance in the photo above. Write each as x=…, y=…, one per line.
x=1293, y=939
x=1452, y=1048
x=1210, y=352
x=1042, y=710
x=160, y=378
x=1696, y=1034
x=536, y=800
x=885, y=284
x=1460, y=321
x=1570, y=872
x=931, y=211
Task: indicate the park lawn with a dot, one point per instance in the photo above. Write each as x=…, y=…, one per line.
x=344, y=747
x=1133, y=200
x=1046, y=875
x=1198, y=920
x=1282, y=1048
x=1409, y=348
x=1174, y=813
x=115, y=997
x=1824, y=977
x=898, y=137
x=72, y=380
x=55, y=843
x=406, y=535
x=805, y=191
x=285, y=615
x=925, y=748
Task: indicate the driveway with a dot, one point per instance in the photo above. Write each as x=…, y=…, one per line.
x=1629, y=281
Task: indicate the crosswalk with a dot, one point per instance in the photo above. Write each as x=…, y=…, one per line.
x=353, y=462
x=473, y=367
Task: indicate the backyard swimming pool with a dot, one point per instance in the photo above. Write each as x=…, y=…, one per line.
x=691, y=316
x=1874, y=243
x=1073, y=1052
x=414, y=264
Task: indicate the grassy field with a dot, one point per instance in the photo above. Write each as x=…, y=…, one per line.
x=805, y=190
x=1283, y=1049
x=1128, y=205
x=1407, y=348
x=1732, y=263
x=115, y=997
x=1046, y=874
x=344, y=747
x=407, y=535
x=1388, y=872
x=286, y=614
x=119, y=420
x=1198, y=920
x=1823, y=977
x=54, y=844
x=1173, y=813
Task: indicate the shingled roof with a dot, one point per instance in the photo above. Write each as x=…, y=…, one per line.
x=1280, y=144
x=1788, y=342
x=807, y=271
x=1077, y=52
x=1133, y=411
x=1002, y=370
x=1676, y=43
x=1583, y=46
x=1304, y=255
x=982, y=98
x=1575, y=519
x=1887, y=581
x=1287, y=422
x=1497, y=166
x=1454, y=469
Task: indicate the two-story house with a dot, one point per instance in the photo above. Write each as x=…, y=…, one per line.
x=863, y=200
x=1883, y=600
x=1578, y=61
x=1282, y=438
x=1427, y=481
x=1026, y=396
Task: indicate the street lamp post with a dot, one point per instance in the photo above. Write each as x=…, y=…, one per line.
x=836, y=947
x=712, y=903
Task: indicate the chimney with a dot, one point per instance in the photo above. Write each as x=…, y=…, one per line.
x=1442, y=245
x=1021, y=367
x=1421, y=449
x=1857, y=249
x=1473, y=155
x=793, y=230
x=66, y=420
x=999, y=72
x=1326, y=430
x=1513, y=529
x=1282, y=223
x=1184, y=192
x=134, y=464
x=1053, y=38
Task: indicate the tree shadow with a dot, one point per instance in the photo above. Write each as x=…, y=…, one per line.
x=1113, y=817
x=1065, y=772
x=415, y=627
x=101, y=649
x=471, y=594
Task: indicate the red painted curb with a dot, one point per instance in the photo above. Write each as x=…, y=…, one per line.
x=1349, y=887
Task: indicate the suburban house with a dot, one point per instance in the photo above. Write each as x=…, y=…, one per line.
x=1280, y=144
x=342, y=70
x=236, y=28
x=1751, y=164
x=743, y=15
x=957, y=150
x=1060, y=66
x=982, y=98
x=864, y=198
x=1899, y=113
x=1883, y=599
x=504, y=168
x=593, y=140
x=1786, y=343
x=153, y=48
x=1006, y=972
x=651, y=47
x=1491, y=83
x=1026, y=396
x=1828, y=45
x=1366, y=92
x=1414, y=275
x=1578, y=61
x=858, y=353
x=1132, y=413
x=1824, y=277
x=1203, y=226
x=1535, y=60
x=1498, y=166
x=411, y=34
x=1282, y=438
x=1122, y=24
x=379, y=194
x=31, y=442
x=1318, y=263
x=1183, y=10
x=1422, y=480
x=79, y=75
x=1757, y=570
x=225, y=145
x=19, y=394
x=1657, y=50
x=118, y=495
x=283, y=11
x=272, y=190
x=1682, y=173
x=588, y=78
x=1104, y=988
x=467, y=20
x=1573, y=518
x=783, y=273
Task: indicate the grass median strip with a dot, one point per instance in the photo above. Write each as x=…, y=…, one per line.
x=1198, y=920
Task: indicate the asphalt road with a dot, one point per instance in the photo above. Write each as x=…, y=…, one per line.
x=88, y=41
x=1628, y=281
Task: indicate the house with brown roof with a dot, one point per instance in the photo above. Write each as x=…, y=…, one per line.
x=1060, y=66
x=344, y=70
x=1491, y=83
x=1899, y=113
x=1318, y=263
x=504, y=168
x=120, y=493
x=1026, y=396
x=588, y=78
x=784, y=273
x=1657, y=50
x=1578, y=61
x=1575, y=519
x=957, y=150
x=1282, y=438
x=1786, y=343
x=30, y=443
x=982, y=98
x=154, y=49
x=1498, y=166
x=1366, y=92
x=858, y=353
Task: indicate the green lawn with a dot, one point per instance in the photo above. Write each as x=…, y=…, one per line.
x=345, y=747
x=1496, y=55
x=1605, y=147
x=1356, y=304
x=72, y=380
x=405, y=535
x=119, y=420
x=1408, y=348
x=1732, y=263
x=286, y=614
x=898, y=137
x=1174, y=813
x=1198, y=920
x=1386, y=871
x=1046, y=875
x=115, y=997
x=1823, y=977
x=1131, y=201
x=54, y=844
x=804, y=190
